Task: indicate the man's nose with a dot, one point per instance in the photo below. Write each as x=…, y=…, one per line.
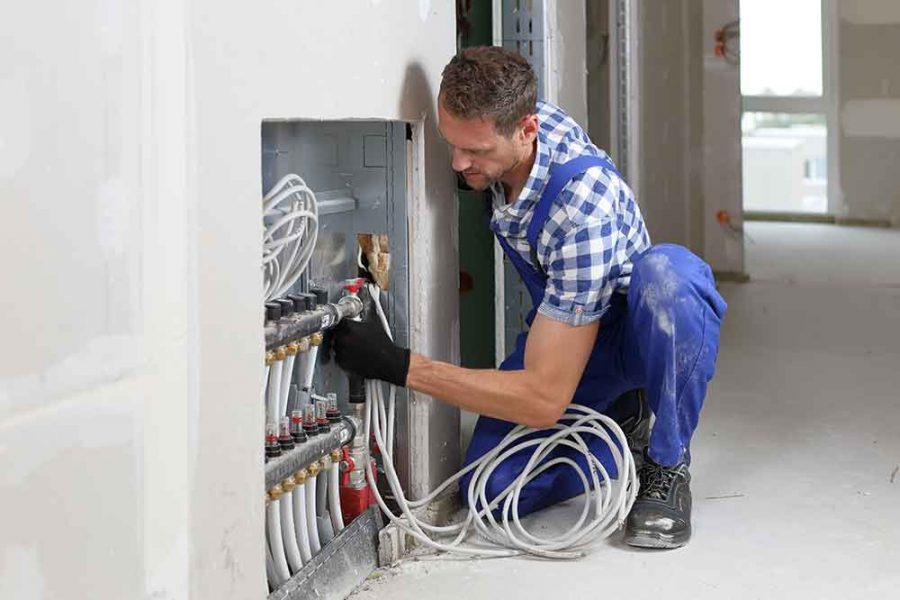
x=460, y=161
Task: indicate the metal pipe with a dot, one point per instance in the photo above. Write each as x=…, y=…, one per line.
x=303, y=455
x=304, y=324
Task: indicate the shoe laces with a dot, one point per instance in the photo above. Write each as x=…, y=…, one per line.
x=656, y=481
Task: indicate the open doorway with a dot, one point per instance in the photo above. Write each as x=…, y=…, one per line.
x=788, y=127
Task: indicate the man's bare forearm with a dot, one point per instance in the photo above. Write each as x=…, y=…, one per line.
x=518, y=396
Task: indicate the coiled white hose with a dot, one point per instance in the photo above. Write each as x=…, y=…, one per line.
x=273, y=522
x=605, y=506
x=334, y=497
x=312, y=528
x=300, y=522
x=292, y=216
x=288, y=531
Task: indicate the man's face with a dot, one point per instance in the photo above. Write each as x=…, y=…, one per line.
x=479, y=153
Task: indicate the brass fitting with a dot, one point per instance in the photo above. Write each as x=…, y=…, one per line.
x=292, y=349
x=300, y=477
x=270, y=358
x=280, y=353
x=336, y=456
x=304, y=344
x=276, y=492
x=288, y=485
x=314, y=469
x=316, y=339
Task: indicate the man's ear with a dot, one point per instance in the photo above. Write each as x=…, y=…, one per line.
x=529, y=128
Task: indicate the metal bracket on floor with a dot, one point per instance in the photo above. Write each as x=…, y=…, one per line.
x=341, y=566
x=395, y=543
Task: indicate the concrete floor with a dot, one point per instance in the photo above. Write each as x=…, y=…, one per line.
x=797, y=459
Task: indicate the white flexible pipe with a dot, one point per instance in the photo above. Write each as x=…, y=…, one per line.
x=334, y=497
x=271, y=576
x=310, y=368
x=610, y=503
x=274, y=399
x=321, y=493
x=273, y=522
x=285, y=385
x=312, y=528
x=288, y=532
x=300, y=522
x=300, y=370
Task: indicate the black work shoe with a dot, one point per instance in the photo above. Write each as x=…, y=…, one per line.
x=635, y=422
x=661, y=515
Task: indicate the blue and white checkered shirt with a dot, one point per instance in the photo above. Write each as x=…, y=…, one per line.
x=594, y=229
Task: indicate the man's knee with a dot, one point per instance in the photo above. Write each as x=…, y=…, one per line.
x=667, y=265
x=668, y=281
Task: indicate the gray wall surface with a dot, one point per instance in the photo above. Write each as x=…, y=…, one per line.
x=598, y=63
x=869, y=97
x=722, y=155
x=689, y=122
x=671, y=121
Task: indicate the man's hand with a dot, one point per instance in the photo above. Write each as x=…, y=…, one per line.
x=364, y=349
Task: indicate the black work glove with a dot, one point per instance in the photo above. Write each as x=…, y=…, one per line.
x=363, y=348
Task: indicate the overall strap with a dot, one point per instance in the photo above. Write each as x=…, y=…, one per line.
x=560, y=176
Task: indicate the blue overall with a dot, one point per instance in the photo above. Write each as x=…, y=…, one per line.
x=663, y=336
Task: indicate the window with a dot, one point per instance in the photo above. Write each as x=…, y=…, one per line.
x=788, y=141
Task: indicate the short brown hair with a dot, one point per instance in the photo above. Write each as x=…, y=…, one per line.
x=489, y=82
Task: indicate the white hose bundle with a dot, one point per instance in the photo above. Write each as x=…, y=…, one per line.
x=610, y=502
x=291, y=220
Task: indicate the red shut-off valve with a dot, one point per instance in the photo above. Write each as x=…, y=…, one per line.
x=353, y=286
x=356, y=496
x=346, y=465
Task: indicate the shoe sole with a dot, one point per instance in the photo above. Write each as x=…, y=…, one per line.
x=657, y=540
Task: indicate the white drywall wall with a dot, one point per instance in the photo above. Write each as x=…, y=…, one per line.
x=312, y=60
x=130, y=461
x=95, y=383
